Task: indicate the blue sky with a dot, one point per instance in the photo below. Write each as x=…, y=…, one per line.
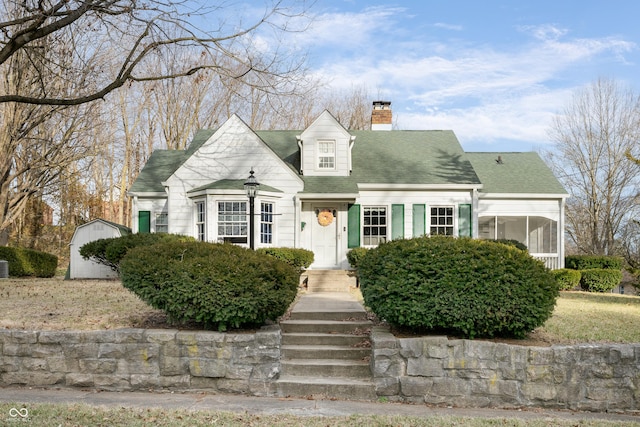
x=495, y=72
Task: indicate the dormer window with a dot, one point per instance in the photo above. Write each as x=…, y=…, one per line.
x=326, y=155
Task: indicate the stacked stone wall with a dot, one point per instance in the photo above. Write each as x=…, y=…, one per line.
x=139, y=359
x=436, y=370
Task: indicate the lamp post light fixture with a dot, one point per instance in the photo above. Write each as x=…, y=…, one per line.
x=251, y=188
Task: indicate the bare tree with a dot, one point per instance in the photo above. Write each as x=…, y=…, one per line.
x=592, y=136
x=134, y=31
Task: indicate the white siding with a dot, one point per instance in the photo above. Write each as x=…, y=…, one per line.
x=519, y=207
x=231, y=153
x=80, y=268
x=325, y=128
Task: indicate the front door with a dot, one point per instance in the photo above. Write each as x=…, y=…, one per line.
x=324, y=236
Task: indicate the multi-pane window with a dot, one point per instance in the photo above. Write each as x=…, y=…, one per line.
x=162, y=222
x=442, y=220
x=201, y=219
x=266, y=222
x=539, y=234
x=232, y=221
x=374, y=227
x=326, y=154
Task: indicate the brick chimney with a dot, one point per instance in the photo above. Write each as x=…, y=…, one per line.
x=381, y=115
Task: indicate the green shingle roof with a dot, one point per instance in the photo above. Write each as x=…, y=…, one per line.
x=517, y=173
x=430, y=157
x=231, y=184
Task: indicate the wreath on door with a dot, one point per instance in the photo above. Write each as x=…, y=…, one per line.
x=325, y=217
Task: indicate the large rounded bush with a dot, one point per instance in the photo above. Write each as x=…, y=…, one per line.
x=463, y=286
x=215, y=285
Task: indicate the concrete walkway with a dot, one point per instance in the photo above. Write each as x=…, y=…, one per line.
x=274, y=406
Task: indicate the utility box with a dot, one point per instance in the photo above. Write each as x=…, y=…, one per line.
x=4, y=269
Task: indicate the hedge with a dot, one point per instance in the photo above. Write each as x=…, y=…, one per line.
x=600, y=279
x=215, y=285
x=28, y=262
x=585, y=262
x=296, y=257
x=466, y=287
x=355, y=255
x=567, y=279
x=110, y=251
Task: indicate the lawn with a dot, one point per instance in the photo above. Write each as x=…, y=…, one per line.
x=56, y=304
x=86, y=415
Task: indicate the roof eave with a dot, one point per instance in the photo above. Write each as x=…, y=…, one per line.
x=418, y=187
x=523, y=195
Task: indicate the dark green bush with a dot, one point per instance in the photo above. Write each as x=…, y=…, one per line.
x=110, y=251
x=28, y=262
x=586, y=262
x=567, y=279
x=600, y=279
x=514, y=243
x=298, y=258
x=467, y=287
x=355, y=255
x=214, y=285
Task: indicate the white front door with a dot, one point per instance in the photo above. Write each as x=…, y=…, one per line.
x=324, y=236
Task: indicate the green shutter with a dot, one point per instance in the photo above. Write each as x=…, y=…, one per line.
x=464, y=220
x=144, y=222
x=419, y=220
x=397, y=222
x=353, y=225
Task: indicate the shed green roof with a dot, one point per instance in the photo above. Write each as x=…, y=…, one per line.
x=514, y=173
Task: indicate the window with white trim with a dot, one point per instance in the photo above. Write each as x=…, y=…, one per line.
x=441, y=220
x=201, y=221
x=162, y=222
x=374, y=225
x=326, y=154
x=232, y=221
x=266, y=222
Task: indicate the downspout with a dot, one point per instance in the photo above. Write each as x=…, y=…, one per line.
x=474, y=213
x=561, y=234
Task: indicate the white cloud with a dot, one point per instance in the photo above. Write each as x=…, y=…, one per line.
x=451, y=27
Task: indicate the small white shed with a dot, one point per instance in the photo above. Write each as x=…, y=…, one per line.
x=80, y=268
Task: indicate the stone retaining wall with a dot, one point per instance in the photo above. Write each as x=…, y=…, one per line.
x=135, y=359
x=436, y=370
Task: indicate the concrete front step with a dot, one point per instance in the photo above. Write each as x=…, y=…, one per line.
x=353, y=327
x=337, y=388
x=324, y=352
x=307, y=338
x=329, y=280
x=329, y=314
x=325, y=368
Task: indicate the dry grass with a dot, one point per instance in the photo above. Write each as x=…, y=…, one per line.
x=56, y=304
x=84, y=415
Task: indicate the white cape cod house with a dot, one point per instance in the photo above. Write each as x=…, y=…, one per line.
x=329, y=189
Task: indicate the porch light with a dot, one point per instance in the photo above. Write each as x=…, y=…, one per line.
x=251, y=188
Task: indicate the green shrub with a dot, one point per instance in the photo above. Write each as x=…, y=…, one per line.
x=355, y=255
x=28, y=262
x=472, y=288
x=214, y=285
x=514, y=243
x=110, y=251
x=600, y=279
x=586, y=262
x=567, y=279
x=296, y=257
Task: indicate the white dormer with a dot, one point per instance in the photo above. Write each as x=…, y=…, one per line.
x=325, y=148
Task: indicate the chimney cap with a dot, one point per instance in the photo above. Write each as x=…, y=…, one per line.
x=381, y=104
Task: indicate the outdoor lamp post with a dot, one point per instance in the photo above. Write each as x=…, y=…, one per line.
x=251, y=188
